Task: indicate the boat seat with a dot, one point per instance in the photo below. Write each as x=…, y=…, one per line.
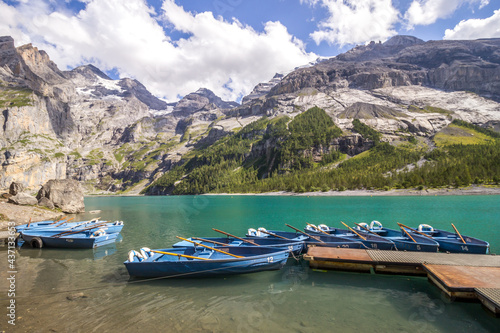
x=155, y=256
x=205, y=254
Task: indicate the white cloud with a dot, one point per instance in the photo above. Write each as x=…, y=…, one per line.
x=476, y=28
x=425, y=12
x=355, y=21
x=226, y=57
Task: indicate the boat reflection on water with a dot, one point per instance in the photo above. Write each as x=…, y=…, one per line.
x=72, y=254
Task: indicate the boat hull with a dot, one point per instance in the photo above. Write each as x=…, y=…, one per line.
x=404, y=243
x=256, y=260
x=371, y=241
x=295, y=246
x=77, y=241
x=456, y=247
x=74, y=226
x=451, y=242
x=334, y=241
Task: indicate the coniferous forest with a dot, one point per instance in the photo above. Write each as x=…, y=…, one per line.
x=300, y=155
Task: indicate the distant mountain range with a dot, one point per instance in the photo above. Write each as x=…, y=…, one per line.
x=115, y=136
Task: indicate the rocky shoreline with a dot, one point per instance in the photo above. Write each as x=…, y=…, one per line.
x=472, y=190
x=20, y=214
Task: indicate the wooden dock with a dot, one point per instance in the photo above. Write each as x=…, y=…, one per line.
x=460, y=276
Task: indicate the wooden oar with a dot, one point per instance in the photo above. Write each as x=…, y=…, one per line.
x=406, y=232
x=211, y=241
x=89, y=222
x=65, y=221
x=83, y=223
x=241, y=239
x=270, y=233
x=29, y=223
x=458, y=233
x=371, y=232
x=179, y=255
x=311, y=236
x=58, y=220
x=363, y=238
x=315, y=227
x=414, y=230
x=211, y=248
x=70, y=232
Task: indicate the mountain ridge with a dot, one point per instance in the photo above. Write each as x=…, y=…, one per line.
x=114, y=135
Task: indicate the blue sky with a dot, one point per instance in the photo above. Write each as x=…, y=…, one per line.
x=175, y=47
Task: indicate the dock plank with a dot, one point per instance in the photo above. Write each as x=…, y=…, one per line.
x=453, y=259
x=465, y=277
x=323, y=252
x=490, y=298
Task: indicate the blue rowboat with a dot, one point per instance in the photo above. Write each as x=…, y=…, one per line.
x=451, y=242
x=402, y=241
x=370, y=241
x=277, y=234
x=199, y=262
x=34, y=224
x=295, y=246
x=111, y=227
x=87, y=239
x=49, y=223
x=334, y=241
x=261, y=232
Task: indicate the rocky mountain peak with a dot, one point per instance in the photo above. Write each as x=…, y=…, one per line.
x=133, y=87
x=403, y=40
x=202, y=100
x=90, y=71
x=378, y=50
x=28, y=66
x=263, y=89
x=7, y=48
x=38, y=61
x=470, y=65
x=205, y=92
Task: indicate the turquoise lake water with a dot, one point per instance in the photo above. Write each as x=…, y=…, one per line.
x=90, y=291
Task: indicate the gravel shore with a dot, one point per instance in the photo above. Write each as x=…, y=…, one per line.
x=22, y=214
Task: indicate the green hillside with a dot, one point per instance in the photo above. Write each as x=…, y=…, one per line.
x=296, y=155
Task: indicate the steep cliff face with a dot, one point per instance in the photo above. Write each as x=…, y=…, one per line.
x=402, y=61
x=82, y=124
x=421, y=86
x=114, y=134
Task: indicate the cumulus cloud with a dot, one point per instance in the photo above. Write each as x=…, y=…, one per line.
x=226, y=57
x=476, y=28
x=425, y=12
x=355, y=21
